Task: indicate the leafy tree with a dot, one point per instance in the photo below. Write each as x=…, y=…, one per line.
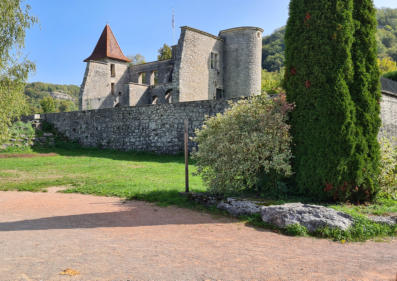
x=365, y=92
x=273, y=50
x=15, y=19
x=36, y=91
x=165, y=53
x=386, y=65
x=137, y=59
x=391, y=75
x=272, y=81
x=48, y=105
x=66, y=106
x=319, y=71
x=247, y=147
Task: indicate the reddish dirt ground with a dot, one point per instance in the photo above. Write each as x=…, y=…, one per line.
x=27, y=155
x=102, y=238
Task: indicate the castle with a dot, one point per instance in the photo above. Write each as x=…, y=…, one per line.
x=203, y=67
x=204, y=71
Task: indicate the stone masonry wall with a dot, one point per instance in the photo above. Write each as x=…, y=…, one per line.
x=97, y=82
x=389, y=116
x=197, y=79
x=151, y=128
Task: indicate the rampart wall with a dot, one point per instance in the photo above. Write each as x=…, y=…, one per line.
x=152, y=128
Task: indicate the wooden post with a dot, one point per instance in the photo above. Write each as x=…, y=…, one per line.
x=186, y=155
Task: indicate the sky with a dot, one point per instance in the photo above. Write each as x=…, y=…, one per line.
x=69, y=29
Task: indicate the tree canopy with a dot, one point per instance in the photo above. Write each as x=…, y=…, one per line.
x=165, y=53
x=137, y=59
x=273, y=45
x=14, y=69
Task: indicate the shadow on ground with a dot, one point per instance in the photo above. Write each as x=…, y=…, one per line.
x=136, y=214
x=72, y=150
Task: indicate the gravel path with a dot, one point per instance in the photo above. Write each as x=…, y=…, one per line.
x=102, y=238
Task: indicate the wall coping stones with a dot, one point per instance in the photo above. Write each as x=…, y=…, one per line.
x=202, y=32
x=241, y=28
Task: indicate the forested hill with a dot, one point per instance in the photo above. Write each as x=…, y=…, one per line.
x=273, y=45
x=67, y=95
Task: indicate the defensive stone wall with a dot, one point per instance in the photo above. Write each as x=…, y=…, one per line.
x=152, y=128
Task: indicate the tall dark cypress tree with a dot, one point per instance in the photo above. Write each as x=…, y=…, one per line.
x=365, y=92
x=319, y=71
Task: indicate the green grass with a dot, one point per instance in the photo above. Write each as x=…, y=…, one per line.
x=129, y=175
x=159, y=179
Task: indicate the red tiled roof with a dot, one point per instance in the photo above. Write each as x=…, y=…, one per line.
x=107, y=47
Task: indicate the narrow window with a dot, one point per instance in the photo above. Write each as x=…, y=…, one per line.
x=112, y=88
x=219, y=94
x=155, y=77
x=212, y=60
x=168, y=96
x=112, y=70
x=142, y=78
x=215, y=61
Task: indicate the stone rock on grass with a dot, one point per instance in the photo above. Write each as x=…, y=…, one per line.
x=239, y=207
x=310, y=216
x=390, y=220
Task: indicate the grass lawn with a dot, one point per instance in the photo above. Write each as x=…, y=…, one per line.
x=101, y=172
x=153, y=178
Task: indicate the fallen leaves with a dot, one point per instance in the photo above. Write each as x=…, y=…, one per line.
x=70, y=272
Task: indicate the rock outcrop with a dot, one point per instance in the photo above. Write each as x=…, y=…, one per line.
x=310, y=216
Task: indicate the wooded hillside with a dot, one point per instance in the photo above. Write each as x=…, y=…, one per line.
x=273, y=45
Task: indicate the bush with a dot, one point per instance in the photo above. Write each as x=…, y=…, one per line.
x=391, y=75
x=272, y=81
x=388, y=169
x=21, y=130
x=250, y=142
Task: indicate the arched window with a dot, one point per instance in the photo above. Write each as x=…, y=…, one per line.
x=168, y=96
x=155, y=100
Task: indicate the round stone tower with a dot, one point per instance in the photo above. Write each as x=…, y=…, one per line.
x=242, y=60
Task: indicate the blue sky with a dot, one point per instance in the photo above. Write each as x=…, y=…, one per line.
x=69, y=29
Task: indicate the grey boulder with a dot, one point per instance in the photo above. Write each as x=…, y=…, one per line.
x=310, y=216
x=237, y=207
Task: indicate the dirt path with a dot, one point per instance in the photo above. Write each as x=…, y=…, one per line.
x=27, y=155
x=42, y=234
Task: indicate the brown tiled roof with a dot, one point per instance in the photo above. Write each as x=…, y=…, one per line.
x=107, y=47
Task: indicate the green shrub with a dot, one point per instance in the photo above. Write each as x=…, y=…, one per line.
x=391, y=75
x=272, y=81
x=248, y=143
x=296, y=230
x=388, y=169
x=20, y=130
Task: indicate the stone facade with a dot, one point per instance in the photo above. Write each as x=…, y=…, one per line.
x=389, y=109
x=203, y=67
x=152, y=128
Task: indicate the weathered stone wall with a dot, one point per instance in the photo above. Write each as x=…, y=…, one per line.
x=95, y=90
x=194, y=76
x=152, y=128
x=163, y=68
x=138, y=94
x=242, y=61
x=389, y=115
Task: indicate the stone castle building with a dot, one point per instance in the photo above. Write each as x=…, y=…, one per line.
x=203, y=67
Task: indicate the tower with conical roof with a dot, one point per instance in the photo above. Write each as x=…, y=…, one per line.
x=106, y=75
